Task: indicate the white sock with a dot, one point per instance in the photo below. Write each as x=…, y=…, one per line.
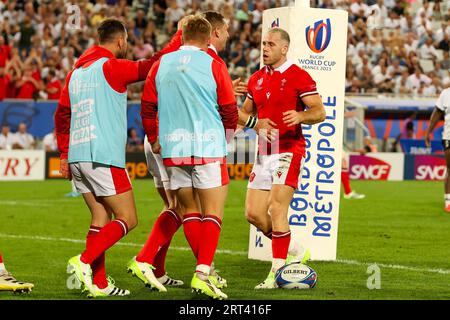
x=277, y=264
x=2, y=267
x=203, y=271
x=162, y=279
x=447, y=199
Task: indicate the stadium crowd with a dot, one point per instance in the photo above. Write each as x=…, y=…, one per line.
x=394, y=46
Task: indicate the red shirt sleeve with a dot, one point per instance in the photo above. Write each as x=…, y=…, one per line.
x=306, y=84
x=149, y=105
x=121, y=72
x=136, y=71
x=225, y=96
x=62, y=120
x=250, y=87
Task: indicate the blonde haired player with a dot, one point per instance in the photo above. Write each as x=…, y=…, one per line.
x=284, y=96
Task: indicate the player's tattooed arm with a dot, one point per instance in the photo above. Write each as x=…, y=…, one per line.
x=315, y=112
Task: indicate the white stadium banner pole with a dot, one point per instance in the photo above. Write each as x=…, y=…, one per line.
x=318, y=45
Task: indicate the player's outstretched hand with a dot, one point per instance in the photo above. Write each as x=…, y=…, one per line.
x=292, y=118
x=266, y=128
x=239, y=87
x=64, y=169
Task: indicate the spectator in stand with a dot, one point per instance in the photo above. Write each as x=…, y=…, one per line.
x=30, y=83
x=173, y=14
x=242, y=15
x=5, y=52
x=4, y=82
x=417, y=78
x=408, y=131
x=22, y=139
x=27, y=31
x=142, y=50
x=49, y=142
x=442, y=31
x=6, y=138
x=159, y=10
x=239, y=58
x=134, y=142
x=141, y=21
x=53, y=86
x=443, y=44
x=42, y=30
x=395, y=69
x=427, y=50
x=69, y=60
x=99, y=17
x=403, y=84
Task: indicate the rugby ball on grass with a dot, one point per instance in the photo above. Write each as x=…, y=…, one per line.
x=296, y=276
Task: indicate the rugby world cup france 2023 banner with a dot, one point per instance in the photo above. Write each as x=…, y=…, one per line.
x=318, y=45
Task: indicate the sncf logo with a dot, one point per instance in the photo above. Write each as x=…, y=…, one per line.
x=275, y=23
x=318, y=38
x=430, y=168
x=368, y=168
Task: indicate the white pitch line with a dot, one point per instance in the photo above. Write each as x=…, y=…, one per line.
x=48, y=202
x=232, y=252
x=394, y=266
x=126, y=244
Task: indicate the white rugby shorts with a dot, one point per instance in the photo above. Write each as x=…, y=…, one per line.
x=100, y=179
x=283, y=168
x=205, y=176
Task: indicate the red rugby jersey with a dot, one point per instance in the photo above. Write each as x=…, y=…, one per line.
x=278, y=91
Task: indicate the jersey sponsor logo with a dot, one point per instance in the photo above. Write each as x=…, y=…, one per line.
x=430, y=168
x=369, y=168
x=79, y=86
x=318, y=38
x=279, y=174
x=268, y=95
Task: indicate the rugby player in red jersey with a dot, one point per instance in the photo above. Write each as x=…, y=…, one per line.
x=91, y=131
x=149, y=264
x=284, y=96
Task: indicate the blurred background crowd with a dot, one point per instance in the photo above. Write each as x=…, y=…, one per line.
x=394, y=46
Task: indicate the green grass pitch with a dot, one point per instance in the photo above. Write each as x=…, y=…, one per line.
x=401, y=226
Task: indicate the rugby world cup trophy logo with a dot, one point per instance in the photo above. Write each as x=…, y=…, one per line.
x=318, y=38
